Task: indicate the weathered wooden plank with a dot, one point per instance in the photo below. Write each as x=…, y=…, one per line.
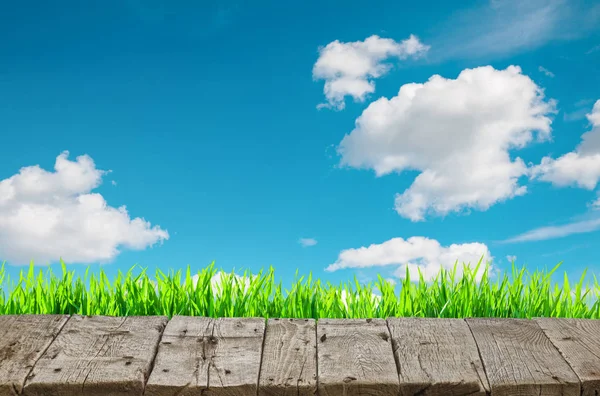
x=24, y=339
x=578, y=341
x=437, y=357
x=289, y=358
x=215, y=357
x=98, y=355
x=520, y=360
x=355, y=357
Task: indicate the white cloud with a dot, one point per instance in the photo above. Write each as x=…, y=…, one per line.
x=593, y=49
x=500, y=28
x=457, y=133
x=595, y=205
x=305, y=242
x=414, y=253
x=546, y=71
x=580, y=167
x=511, y=258
x=48, y=215
x=552, y=232
x=349, y=68
x=575, y=115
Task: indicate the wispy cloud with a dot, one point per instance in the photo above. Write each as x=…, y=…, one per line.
x=553, y=232
x=505, y=27
x=546, y=71
x=306, y=242
x=575, y=115
x=592, y=50
x=511, y=258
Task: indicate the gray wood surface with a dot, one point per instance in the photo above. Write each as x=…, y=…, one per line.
x=289, y=359
x=98, y=355
x=519, y=359
x=23, y=340
x=54, y=355
x=355, y=358
x=217, y=357
x=578, y=341
x=437, y=357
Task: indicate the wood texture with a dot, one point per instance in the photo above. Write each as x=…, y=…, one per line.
x=98, y=355
x=578, y=341
x=355, y=357
x=437, y=357
x=23, y=340
x=54, y=355
x=289, y=359
x=519, y=359
x=212, y=357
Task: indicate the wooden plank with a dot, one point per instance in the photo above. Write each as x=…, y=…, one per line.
x=24, y=339
x=215, y=357
x=437, y=356
x=289, y=358
x=519, y=359
x=98, y=355
x=578, y=341
x=355, y=357
x=180, y=367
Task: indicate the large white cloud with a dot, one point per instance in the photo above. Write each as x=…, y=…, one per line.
x=457, y=133
x=349, y=68
x=45, y=216
x=580, y=167
x=414, y=253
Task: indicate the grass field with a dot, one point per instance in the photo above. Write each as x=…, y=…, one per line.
x=258, y=296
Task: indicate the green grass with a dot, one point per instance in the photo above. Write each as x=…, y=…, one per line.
x=131, y=294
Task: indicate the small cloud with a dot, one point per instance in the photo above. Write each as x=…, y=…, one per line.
x=511, y=258
x=415, y=253
x=575, y=115
x=114, y=183
x=594, y=49
x=595, y=205
x=546, y=71
x=583, y=102
x=581, y=110
x=349, y=68
x=306, y=242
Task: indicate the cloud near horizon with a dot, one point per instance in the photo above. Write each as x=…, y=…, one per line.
x=457, y=133
x=349, y=68
x=416, y=253
x=552, y=232
x=45, y=216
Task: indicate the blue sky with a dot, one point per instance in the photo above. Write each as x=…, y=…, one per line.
x=330, y=137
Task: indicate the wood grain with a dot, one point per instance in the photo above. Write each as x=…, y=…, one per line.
x=437, y=357
x=98, y=355
x=355, y=357
x=23, y=340
x=520, y=360
x=289, y=360
x=214, y=357
x=578, y=341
